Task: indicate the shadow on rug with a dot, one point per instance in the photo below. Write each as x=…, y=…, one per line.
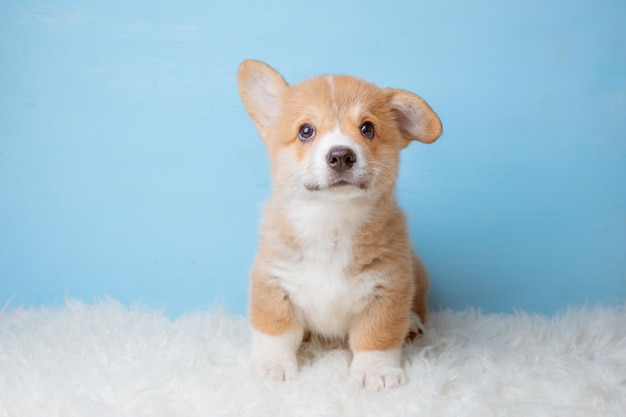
x=107, y=360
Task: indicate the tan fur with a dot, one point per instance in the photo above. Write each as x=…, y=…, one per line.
x=381, y=244
x=422, y=286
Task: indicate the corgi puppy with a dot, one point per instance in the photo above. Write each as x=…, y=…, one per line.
x=334, y=257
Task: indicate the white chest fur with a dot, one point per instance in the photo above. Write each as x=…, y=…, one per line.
x=317, y=281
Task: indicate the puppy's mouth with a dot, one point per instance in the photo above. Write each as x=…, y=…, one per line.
x=337, y=184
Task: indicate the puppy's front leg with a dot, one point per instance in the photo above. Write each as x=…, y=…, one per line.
x=277, y=335
x=376, y=341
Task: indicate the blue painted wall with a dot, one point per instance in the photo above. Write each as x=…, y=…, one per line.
x=129, y=168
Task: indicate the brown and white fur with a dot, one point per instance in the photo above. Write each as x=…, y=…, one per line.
x=334, y=255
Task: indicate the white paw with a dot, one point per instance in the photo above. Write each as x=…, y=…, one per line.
x=383, y=378
x=379, y=370
x=276, y=371
x=274, y=357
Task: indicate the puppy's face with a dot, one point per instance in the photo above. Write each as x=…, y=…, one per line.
x=333, y=136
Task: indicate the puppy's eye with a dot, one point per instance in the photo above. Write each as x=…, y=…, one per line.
x=367, y=130
x=306, y=132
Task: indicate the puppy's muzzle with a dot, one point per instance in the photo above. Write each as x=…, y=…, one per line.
x=341, y=158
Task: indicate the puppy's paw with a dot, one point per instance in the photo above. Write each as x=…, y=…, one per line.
x=276, y=371
x=379, y=370
x=381, y=378
x=274, y=357
x=416, y=328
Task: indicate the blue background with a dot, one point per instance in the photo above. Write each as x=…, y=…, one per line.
x=129, y=168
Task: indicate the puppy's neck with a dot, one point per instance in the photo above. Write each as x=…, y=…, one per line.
x=327, y=219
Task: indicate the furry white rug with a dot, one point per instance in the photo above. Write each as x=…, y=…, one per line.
x=107, y=360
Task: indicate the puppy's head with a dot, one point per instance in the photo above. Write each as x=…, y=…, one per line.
x=333, y=135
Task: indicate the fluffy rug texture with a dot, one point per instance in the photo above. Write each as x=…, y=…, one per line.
x=108, y=360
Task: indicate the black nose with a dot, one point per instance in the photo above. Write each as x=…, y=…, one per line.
x=340, y=158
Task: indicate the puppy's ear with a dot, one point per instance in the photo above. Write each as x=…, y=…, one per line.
x=414, y=117
x=260, y=88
